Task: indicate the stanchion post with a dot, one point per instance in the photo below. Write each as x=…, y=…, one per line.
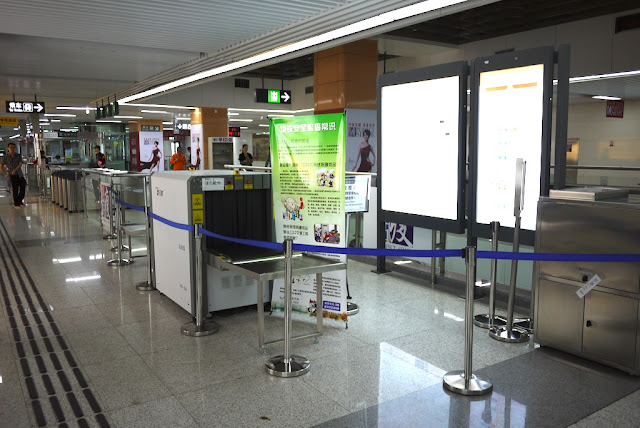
x=200, y=327
x=119, y=261
x=507, y=333
x=288, y=365
x=464, y=381
x=111, y=235
x=147, y=285
x=489, y=320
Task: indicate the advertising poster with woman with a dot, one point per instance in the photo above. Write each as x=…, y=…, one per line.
x=361, y=140
x=308, y=176
x=196, y=147
x=151, y=157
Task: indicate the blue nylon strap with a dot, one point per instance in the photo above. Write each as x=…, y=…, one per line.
x=133, y=207
x=262, y=244
x=555, y=257
x=181, y=226
x=379, y=252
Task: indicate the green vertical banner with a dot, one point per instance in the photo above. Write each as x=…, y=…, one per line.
x=308, y=166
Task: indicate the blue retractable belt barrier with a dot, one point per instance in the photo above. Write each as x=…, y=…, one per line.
x=133, y=207
x=499, y=255
x=181, y=226
x=263, y=244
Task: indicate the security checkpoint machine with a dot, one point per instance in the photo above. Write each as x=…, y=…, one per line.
x=228, y=204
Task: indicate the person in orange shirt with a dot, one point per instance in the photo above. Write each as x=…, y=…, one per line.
x=178, y=160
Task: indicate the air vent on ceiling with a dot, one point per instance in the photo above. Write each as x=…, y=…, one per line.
x=308, y=90
x=628, y=22
x=242, y=83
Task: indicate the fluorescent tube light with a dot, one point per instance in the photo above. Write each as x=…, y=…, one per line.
x=109, y=121
x=74, y=108
x=606, y=97
x=244, y=127
x=127, y=117
x=262, y=124
x=280, y=115
x=232, y=114
x=158, y=106
x=183, y=118
x=167, y=123
x=155, y=111
x=14, y=136
x=240, y=120
x=356, y=27
x=59, y=115
x=55, y=120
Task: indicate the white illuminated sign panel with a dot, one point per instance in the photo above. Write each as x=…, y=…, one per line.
x=509, y=127
x=419, y=151
x=25, y=107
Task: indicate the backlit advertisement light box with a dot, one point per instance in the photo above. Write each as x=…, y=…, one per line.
x=420, y=167
x=510, y=112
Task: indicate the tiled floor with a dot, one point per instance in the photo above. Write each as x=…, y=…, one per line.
x=124, y=348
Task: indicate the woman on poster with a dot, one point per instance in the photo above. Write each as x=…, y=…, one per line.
x=154, y=162
x=363, y=154
x=197, y=164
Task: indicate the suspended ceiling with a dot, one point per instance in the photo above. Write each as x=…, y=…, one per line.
x=68, y=52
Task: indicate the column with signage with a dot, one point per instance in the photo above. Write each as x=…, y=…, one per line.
x=206, y=122
x=146, y=148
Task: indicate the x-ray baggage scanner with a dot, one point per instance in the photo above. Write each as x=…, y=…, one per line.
x=235, y=205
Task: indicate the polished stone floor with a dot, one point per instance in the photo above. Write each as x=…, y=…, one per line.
x=79, y=346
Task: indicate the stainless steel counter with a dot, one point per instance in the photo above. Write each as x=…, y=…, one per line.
x=603, y=326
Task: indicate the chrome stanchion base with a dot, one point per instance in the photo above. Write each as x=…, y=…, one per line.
x=454, y=381
x=352, y=309
x=112, y=236
x=513, y=336
x=297, y=366
x=482, y=321
x=207, y=328
x=524, y=324
x=119, y=262
x=145, y=286
x=123, y=248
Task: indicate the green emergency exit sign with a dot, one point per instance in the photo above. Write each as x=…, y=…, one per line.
x=272, y=96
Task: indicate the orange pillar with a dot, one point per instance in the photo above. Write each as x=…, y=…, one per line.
x=345, y=77
x=207, y=122
x=138, y=151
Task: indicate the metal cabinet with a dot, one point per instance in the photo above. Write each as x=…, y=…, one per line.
x=560, y=318
x=610, y=328
x=603, y=326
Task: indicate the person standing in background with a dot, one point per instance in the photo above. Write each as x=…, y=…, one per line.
x=12, y=169
x=178, y=160
x=101, y=159
x=245, y=157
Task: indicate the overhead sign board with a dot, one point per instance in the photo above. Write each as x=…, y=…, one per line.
x=150, y=128
x=272, y=96
x=25, y=107
x=8, y=121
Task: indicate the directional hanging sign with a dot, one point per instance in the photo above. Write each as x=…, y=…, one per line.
x=272, y=96
x=25, y=107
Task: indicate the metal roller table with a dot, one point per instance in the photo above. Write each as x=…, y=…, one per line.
x=266, y=265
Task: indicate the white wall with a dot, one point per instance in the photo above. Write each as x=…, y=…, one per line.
x=606, y=141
